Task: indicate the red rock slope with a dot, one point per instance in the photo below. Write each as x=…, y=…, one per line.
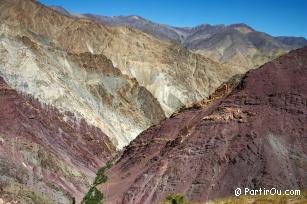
x=44, y=157
x=254, y=137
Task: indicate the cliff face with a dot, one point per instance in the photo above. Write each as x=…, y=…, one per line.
x=171, y=73
x=254, y=137
x=46, y=157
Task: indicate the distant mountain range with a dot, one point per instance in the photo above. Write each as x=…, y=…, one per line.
x=190, y=36
x=237, y=45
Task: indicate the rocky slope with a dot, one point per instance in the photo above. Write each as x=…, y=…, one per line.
x=171, y=73
x=237, y=45
x=84, y=84
x=63, y=114
x=46, y=157
x=253, y=137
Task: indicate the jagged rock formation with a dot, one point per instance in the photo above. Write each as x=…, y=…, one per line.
x=253, y=137
x=46, y=157
x=237, y=45
x=171, y=73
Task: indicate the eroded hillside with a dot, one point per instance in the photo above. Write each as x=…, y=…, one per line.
x=46, y=157
x=255, y=137
x=84, y=84
x=171, y=73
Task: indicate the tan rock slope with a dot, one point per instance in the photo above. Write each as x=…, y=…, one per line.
x=254, y=137
x=84, y=84
x=171, y=73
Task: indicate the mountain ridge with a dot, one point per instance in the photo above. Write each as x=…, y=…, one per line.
x=132, y=21
x=237, y=45
x=248, y=138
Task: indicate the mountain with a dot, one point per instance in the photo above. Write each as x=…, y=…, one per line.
x=75, y=58
x=253, y=137
x=46, y=157
x=61, y=10
x=74, y=92
x=292, y=41
x=160, y=31
x=63, y=115
x=236, y=45
x=240, y=45
x=85, y=84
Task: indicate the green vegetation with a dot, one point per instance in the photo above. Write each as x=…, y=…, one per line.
x=101, y=178
x=175, y=199
x=94, y=196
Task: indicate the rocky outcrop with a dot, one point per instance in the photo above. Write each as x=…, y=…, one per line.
x=46, y=157
x=253, y=137
x=220, y=92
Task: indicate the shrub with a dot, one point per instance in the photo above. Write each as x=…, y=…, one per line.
x=93, y=196
x=175, y=199
x=100, y=177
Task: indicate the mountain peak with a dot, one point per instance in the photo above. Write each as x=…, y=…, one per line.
x=136, y=17
x=242, y=27
x=60, y=9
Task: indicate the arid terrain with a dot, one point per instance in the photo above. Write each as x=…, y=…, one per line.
x=253, y=137
x=124, y=110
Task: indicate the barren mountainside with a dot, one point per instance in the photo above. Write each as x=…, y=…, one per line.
x=254, y=137
x=46, y=157
x=237, y=45
x=171, y=73
x=163, y=70
x=125, y=110
x=84, y=84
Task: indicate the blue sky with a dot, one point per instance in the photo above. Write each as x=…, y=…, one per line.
x=276, y=17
